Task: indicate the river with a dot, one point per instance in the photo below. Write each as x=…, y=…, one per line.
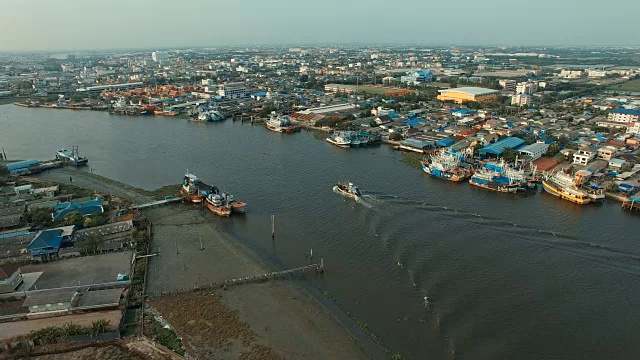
x=437, y=270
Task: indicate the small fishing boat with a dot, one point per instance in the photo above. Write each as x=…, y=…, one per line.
x=191, y=188
x=215, y=203
x=348, y=190
x=72, y=157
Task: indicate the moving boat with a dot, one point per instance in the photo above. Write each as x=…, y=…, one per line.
x=446, y=164
x=348, y=190
x=71, y=157
x=281, y=124
x=499, y=176
x=191, y=187
x=566, y=187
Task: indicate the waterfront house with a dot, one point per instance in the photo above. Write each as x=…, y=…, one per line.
x=86, y=208
x=584, y=155
x=10, y=278
x=46, y=244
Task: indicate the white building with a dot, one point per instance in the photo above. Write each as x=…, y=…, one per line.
x=208, y=82
x=593, y=73
x=571, y=74
x=634, y=128
x=529, y=87
x=584, y=155
x=235, y=90
x=624, y=115
x=521, y=100
x=534, y=151
x=158, y=56
x=508, y=85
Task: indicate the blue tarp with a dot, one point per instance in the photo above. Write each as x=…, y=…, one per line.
x=22, y=165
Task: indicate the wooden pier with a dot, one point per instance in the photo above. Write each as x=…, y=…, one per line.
x=156, y=203
x=631, y=204
x=318, y=268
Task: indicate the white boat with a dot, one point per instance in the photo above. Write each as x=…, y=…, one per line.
x=71, y=157
x=339, y=140
x=348, y=190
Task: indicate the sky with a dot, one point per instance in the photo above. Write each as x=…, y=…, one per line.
x=51, y=25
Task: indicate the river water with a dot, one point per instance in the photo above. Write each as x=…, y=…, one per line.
x=437, y=270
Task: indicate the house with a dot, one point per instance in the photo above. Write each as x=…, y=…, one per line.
x=607, y=152
x=616, y=164
x=497, y=148
x=584, y=155
x=10, y=278
x=86, y=208
x=51, y=300
x=534, y=151
x=385, y=119
x=417, y=77
x=46, y=244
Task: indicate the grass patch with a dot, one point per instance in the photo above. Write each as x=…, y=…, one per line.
x=166, y=337
x=412, y=159
x=631, y=85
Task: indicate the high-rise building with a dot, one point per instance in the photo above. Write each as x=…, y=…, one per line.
x=158, y=56
x=508, y=85
x=529, y=87
x=521, y=100
x=234, y=90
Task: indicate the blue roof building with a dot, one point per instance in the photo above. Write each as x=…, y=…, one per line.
x=413, y=122
x=87, y=208
x=498, y=148
x=444, y=142
x=626, y=112
x=417, y=77
x=20, y=166
x=46, y=244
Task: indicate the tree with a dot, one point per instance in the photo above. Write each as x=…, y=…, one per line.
x=509, y=154
x=395, y=136
x=40, y=218
x=553, y=149
x=74, y=218
x=93, y=244
x=304, y=78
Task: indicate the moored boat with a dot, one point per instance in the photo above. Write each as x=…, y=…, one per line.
x=71, y=157
x=566, y=187
x=348, y=190
x=500, y=177
x=191, y=187
x=446, y=164
x=595, y=193
x=215, y=203
x=281, y=124
x=339, y=140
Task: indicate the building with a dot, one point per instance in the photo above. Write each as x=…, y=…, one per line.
x=10, y=278
x=23, y=166
x=521, y=100
x=464, y=94
x=417, y=77
x=236, y=90
x=607, y=152
x=125, y=86
x=86, y=208
x=529, y=87
x=497, y=148
x=534, y=151
x=584, y=155
x=159, y=56
x=623, y=115
x=60, y=300
x=508, y=85
x=634, y=128
x=46, y=244
x=571, y=74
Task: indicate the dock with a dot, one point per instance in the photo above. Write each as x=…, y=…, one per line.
x=318, y=268
x=156, y=203
x=631, y=204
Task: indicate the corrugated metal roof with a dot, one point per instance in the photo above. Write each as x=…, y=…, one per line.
x=21, y=165
x=498, y=147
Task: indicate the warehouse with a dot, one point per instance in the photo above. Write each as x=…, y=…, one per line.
x=464, y=94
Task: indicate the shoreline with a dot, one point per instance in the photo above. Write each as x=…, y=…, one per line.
x=308, y=295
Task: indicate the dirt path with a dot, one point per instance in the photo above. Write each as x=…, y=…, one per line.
x=94, y=182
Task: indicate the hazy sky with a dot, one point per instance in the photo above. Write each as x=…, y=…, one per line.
x=93, y=24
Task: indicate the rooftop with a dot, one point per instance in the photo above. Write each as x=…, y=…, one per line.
x=475, y=91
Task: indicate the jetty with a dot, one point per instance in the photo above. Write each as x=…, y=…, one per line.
x=156, y=203
x=318, y=268
x=631, y=204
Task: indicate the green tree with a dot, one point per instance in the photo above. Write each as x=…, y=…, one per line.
x=509, y=155
x=395, y=136
x=40, y=218
x=93, y=244
x=304, y=78
x=553, y=149
x=74, y=218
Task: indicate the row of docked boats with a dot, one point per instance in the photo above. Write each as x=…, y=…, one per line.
x=501, y=176
x=220, y=203
x=351, y=139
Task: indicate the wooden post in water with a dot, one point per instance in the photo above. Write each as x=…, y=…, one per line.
x=4, y=153
x=273, y=226
x=311, y=256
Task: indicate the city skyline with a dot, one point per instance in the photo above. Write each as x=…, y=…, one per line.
x=37, y=25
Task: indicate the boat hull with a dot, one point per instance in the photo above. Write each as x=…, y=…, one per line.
x=238, y=207
x=338, y=144
x=446, y=175
x=496, y=187
x=337, y=190
x=224, y=211
x=553, y=190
